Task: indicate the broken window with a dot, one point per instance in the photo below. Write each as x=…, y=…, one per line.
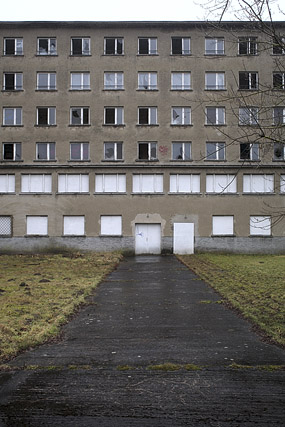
x=113, y=81
x=215, y=115
x=46, y=81
x=147, y=151
x=181, y=81
x=114, y=46
x=110, y=183
x=215, y=151
x=248, y=80
x=79, y=116
x=181, y=116
x=47, y=46
x=12, y=151
x=79, y=151
x=247, y=46
x=147, y=46
x=180, y=46
x=249, y=151
x=13, y=81
x=46, y=116
x=80, y=81
x=279, y=81
x=248, y=116
x=279, y=151
x=113, y=151
x=114, y=116
x=147, y=115
x=181, y=151
x=12, y=116
x=215, y=81
x=13, y=46
x=45, y=150
x=214, y=46
x=80, y=46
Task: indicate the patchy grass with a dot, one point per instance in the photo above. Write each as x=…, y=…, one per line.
x=173, y=367
x=269, y=368
x=253, y=284
x=38, y=293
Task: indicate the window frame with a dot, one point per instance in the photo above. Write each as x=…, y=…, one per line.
x=151, y=113
x=220, y=151
x=248, y=180
x=66, y=184
x=46, y=183
x=116, y=116
x=17, y=147
x=184, y=113
x=77, y=228
x=253, y=147
x=10, y=226
x=259, y=219
x=17, y=51
x=278, y=45
x=217, y=75
x=277, y=87
x=279, y=147
x=49, y=75
x=183, y=151
x=120, y=181
x=277, y=116
x=251, y=45
x=82, y=147
x=175, y=181
x=157, y=183
x=16, y=86
x=49, y=151
x=249, y=76
x=116, y=158
x=116, y=85
x=217, y=110
x=49, y=51
x=17, y=116
x=184, y=51
x=51, y=112
x=229, y=225
x=151, y=145
x=215, y=51
x=251, y=114
x=43, y=217
x=150, y=75
x=83, y=52
x=150, y=50
x=184, y=75
x=213, y=185
x=116, y=45
x=102, y=226
x=9, y=184
x=82, y=75
x=82, y=114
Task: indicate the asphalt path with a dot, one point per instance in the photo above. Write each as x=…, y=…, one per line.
x=150, y=311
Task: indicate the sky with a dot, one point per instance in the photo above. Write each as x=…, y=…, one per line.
x=112, y=10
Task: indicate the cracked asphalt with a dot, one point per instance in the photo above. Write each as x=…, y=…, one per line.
x=149, y=311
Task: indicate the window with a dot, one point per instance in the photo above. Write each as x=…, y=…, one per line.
x=13, y=46
x=279, y=115
x=249, y=151
x=79, y=151
x=221, y=184
x=180, y=46
x=260, y=226
x=147, y=81
x=7, y=183
x=12, y=151
x=79, y=116
x=147, y=46
x=147, y=151
x=248, y=80
x=214, y=46
x=111, y=225
x=184, y=183
x=113, y=151
x=73, y=183
x=45, y=150
x=215, y=151
x=215, y=81
x=37, y=225
x=114, y=116
x=258, y=183
x=80, y=46
x=181, y=150
x=282, y=183
x=148, y=183
x=13, y=81
x=181, y=116
x=147, y=115
x=110, y=183
x=36, y=183
x=215, y=115
x=279, y=151
x=223, y=225
x=279, y=81
x=46, y=81
x=113, y=81
x=279, y=46
x=46, y=116
x=248, y=116
x=5, y=226
x=12, y=116
x=80, y=81
x=46, y=46
x=180, y=81
x=114, y=46
x=247, y=46
x=73, y=225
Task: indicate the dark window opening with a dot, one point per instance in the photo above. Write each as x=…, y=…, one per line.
x=143, y=46
x=143, y=151
x=110, y=116
x=177, y=46
x=143, y=116
x=42, y=116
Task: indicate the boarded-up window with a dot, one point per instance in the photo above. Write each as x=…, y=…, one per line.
x=73, y=183
x=111, y=225
x=258, y=183
x=7, y=183
x=36, y=183
x=221, y=184
x=260, y=225
x=223, y=225
x=148, y=183
x=184, y=183
x=113, y=183
x=37, y=225
x=73, y=225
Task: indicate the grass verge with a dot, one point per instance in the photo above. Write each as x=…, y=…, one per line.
x=38, y=293
x=252, y=284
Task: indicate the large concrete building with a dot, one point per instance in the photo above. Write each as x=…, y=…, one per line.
x=143, y=136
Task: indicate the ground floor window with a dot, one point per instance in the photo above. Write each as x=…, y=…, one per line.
x=111, y=225
x=260, y=226
x=223, y=225
x=5, y=226
x=37, y=225
x=74, y=225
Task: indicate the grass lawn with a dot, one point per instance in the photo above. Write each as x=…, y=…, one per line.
x=253, y=284
x=39, y=292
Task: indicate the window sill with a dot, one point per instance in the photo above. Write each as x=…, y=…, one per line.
x=37, y=235
x=113, y=89
x=147, y=90
x=255, y=193
x=147, y=125
x=46, y=90
x=178, y=125
x=181, y=90
x=12, y=126
x=221, y=193
x=248, y=90
x=119, y=236
x=214, y=54
x=181, y=54
x=13, y=55
x=11, y=161
x=78, y=161
x=109, y=193
x=148, y=194
x=113, y=54
x=49, y=55
x=215, y=89
x=248, y=54
x=278, y=160
x=76, y=126
x=184, y=193
x=181, y=160
x=112, y=161
x=147, y=160
x=248, y=161
x=215, y=124
x=223, y=235
x=5, y=193
x=44, y=161
x=12, y=90
x=254, y=236
x=79, y=90
x=80, y=55
x=72, y=194
x=215, y=160
x=32, y=193
x=113, y=125
x=74, y=235
x=45, y=126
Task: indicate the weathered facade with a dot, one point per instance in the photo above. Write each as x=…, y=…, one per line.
x=140, y=136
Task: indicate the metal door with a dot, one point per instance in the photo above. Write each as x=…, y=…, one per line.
x=148, y=239
x=183, y=238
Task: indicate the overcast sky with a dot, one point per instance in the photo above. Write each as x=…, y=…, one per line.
x=110, y=10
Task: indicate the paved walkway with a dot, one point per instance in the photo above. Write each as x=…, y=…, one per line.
x=150, y=311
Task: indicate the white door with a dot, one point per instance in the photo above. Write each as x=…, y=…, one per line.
x=183, y=238
x=148, y=239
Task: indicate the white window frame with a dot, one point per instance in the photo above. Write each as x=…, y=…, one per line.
x=157, y=184
x=50, y=51
x=28, y=182
x=152, y=116
x=7, y=183
x=150, y=146
x=83, y=52
x=260, y=225
x=250, y=115
x=151, y=78
x=215, y=41
x=42, y=223
x=219, y=153
x=78, y=229
x=275, y=116
x=17, y=149
x=101, y=184
x=251, y=42
x=115, y=146
x=118, y=76
x=226, y=222
x=49, y=146
x=17, y=116
x=18, y=46
x=219, y=78
x=254, y=147
x=184, y=76
x=18, y=81
x=184, y=114
x=279, y=46
x=282, y=183
x=117, y=116
x=64, y=183
x=177, y=186
x=116, y=45
x=184, y=51
x=152, y=45
x=8, y=225
x=183, y=144
x=213, y=183
x=218, y=110
x=49, y=76
x=282, y=73
x=250, y=80
x=82, y=146
x=250, y=181
x=83, y=77
x=51, y=112
x=111, y=221
x=81, y=110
